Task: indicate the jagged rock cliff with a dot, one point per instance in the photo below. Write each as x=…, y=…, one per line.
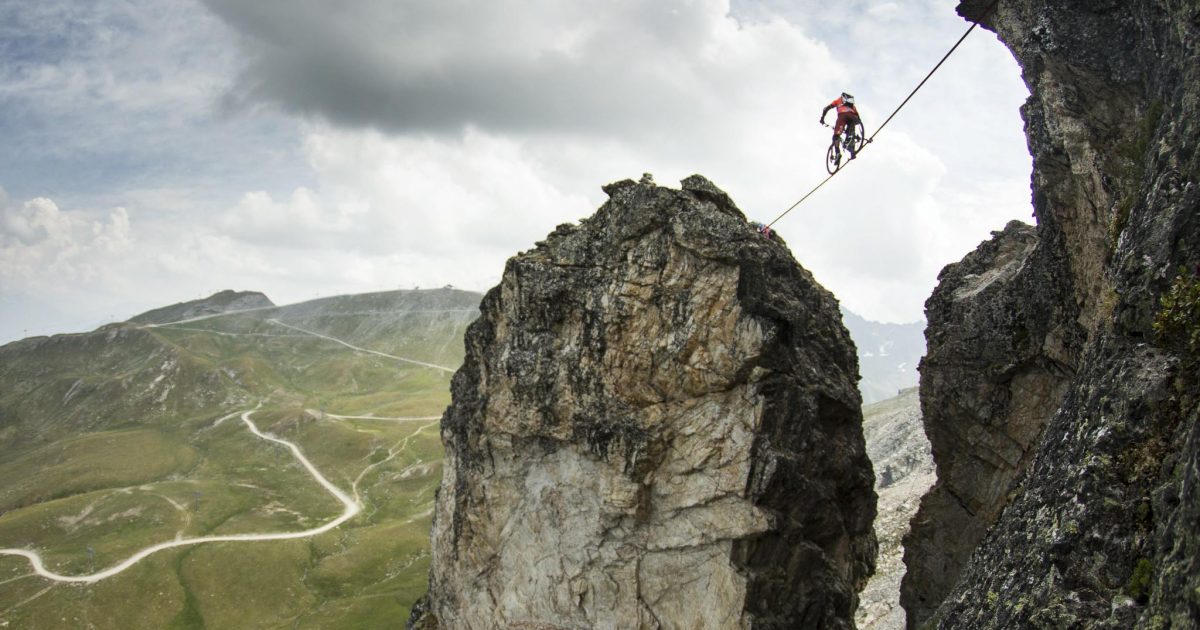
x=656, y=426
x=1002, y=348
x=1087, y=510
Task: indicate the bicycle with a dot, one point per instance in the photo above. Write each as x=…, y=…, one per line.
x=852, y=142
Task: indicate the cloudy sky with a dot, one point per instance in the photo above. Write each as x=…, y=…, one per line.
x=156, y=151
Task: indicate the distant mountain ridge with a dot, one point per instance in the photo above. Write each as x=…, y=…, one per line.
x=221, y=302
x=80, y=382
x=888, y=355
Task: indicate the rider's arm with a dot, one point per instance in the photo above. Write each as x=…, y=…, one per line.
x=825, y=111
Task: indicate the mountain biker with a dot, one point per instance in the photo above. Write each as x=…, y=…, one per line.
x=847, y=114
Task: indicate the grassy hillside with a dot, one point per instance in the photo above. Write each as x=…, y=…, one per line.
x=109, y=443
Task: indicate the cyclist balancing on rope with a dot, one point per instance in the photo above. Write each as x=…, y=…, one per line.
x=847, y=115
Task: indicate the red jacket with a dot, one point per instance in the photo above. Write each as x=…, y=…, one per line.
x=842, y=108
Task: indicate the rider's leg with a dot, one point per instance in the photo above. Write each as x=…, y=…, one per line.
x=839, y=125
x=851, y=135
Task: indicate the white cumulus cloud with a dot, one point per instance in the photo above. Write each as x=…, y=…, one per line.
x=41, y=244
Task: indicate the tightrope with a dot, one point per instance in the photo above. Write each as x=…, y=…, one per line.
x=893, y=115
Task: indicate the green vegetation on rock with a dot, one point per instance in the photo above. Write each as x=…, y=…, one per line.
x=1177, y=324
x=1139, y=584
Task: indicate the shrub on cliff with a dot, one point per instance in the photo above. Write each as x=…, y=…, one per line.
x=1177, y=325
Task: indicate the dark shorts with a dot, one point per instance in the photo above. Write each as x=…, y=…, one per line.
x=842, y=121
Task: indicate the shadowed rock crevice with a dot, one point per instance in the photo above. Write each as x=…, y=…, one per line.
x=656, y=425
x=904, y=472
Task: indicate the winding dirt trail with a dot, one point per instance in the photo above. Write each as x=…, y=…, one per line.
x=201, y=318
x=351, y=508
x=311, y=333
x=351, y=505
x=384, y=418
x=353, y=347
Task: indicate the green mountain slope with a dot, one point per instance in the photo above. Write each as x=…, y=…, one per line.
x=110, y=443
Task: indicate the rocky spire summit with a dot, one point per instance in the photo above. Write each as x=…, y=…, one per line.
x=656, y=425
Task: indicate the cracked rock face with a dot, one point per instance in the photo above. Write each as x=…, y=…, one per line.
x=656, y=426
x=1000, y=355
x=1100, y=525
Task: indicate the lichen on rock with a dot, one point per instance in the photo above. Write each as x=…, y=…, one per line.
x=656, y=426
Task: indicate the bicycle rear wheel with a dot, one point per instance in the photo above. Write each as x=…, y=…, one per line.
x=859, y=139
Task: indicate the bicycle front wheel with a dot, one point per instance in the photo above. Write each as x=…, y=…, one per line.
x=833, y=158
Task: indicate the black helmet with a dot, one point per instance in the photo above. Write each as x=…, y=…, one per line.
x=847, y=98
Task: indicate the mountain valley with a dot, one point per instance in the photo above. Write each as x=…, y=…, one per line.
x=114, y=441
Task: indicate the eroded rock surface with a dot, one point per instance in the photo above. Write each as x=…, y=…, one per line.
x=1102, y=529
x=656, y=426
